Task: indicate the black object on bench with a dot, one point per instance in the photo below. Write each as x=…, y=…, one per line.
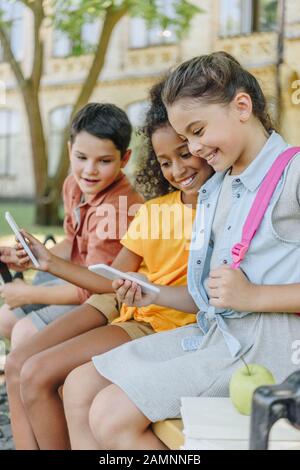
x=5, y=272
x=48, y=238
x=271, y=403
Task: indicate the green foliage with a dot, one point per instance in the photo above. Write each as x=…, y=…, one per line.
x=69, y=16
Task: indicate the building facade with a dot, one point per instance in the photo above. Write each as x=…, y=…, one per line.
x=137, y=56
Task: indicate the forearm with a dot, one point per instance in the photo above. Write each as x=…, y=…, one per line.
x=79, y=276
x=64, y=294
x=62, y=249
x=176, y=297
x=279, y=298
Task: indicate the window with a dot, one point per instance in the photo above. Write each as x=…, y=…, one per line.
x=247, y=16
x=90, y=33
x=265, y=15
x=13, y=14
x=140, y=35
x=59, y=119
x=10, y=129
x=63, y=45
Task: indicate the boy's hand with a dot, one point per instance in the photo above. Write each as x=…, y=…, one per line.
x=9, y=256
x=16, y=294
x=38, y=249
x=229, y=288
x=130, y=293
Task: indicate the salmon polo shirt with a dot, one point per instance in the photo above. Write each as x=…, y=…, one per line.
x=95, y=228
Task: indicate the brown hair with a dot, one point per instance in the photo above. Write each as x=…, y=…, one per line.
x=215, y=78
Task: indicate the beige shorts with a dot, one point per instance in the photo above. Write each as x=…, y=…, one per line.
x=109, y=306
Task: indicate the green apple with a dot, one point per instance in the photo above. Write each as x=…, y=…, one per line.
x=243, y=383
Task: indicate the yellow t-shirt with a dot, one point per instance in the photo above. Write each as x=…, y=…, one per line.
x=160, y=233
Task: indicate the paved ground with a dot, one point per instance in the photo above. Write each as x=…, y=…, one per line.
x=6, y=442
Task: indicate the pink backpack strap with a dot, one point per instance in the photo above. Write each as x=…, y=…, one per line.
x=260, y=205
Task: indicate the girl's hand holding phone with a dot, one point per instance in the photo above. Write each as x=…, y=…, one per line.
x=39, y=250
x=130, y=293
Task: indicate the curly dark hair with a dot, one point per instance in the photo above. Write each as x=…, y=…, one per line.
x=149, y=179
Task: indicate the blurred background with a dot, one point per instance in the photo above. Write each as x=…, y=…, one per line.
x=55, y=56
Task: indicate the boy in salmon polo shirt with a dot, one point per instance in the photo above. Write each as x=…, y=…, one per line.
x=98, y=150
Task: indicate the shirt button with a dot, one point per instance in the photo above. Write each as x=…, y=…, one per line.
x=208, y=205
x=228, y=228
x=238, y=195
x=198, y=261
x=238, y=180
x=225, y=261
x=203, y=191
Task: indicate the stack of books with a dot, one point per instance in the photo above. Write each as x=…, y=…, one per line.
x=214, y=424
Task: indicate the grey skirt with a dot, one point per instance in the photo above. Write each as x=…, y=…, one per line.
x=155, y=372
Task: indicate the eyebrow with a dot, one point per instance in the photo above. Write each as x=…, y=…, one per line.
x=99, y=156
x=180, y=147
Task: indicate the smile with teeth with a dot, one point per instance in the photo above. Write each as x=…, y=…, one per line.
x=211, y=156
x=187, y=181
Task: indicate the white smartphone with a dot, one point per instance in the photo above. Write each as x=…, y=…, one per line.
x=112, y=273
x=10, y=220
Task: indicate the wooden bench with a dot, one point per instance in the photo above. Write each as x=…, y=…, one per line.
x=170, y=433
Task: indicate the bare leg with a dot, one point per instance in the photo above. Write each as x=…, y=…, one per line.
x=69, y=325
x=23, y=330
x=43, y=373
x=117, y=424
x=80, y=388
x=7, y=321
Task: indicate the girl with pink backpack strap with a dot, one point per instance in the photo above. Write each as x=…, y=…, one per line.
x=243, y=275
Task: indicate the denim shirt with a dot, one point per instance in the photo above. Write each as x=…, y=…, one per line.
x=270, y=259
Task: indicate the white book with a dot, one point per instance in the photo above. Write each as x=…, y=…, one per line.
x=214, y=419
x=218, y=444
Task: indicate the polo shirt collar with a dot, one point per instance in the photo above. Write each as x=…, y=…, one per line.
x=253, y=175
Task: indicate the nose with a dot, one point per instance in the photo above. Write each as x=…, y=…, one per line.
x=178, y=170
x=195, y=147
x=91, y=167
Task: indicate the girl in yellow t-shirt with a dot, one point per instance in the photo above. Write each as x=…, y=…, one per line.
x=155, y=245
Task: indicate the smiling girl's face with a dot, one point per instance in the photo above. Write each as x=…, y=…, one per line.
x=181, y=169
x=214, y=132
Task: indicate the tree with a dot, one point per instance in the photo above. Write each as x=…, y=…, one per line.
x=69, y=17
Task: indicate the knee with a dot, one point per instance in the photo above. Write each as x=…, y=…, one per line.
x=106, y=420
x=7, y=321
x=22, y=331
x=35, y=381
x=13, y=365
x=75, y=390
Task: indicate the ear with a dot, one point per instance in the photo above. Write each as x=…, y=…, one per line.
x=69, y=148
x=126, y=158
x=243, y=106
